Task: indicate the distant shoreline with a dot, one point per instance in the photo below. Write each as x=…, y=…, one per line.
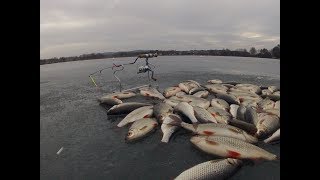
x=92, y=56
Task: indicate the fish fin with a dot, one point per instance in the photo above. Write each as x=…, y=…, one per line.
x=176, y=121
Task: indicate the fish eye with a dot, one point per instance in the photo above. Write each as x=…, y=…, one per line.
x=130, y=134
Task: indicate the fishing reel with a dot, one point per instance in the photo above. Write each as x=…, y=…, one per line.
x=143, y=69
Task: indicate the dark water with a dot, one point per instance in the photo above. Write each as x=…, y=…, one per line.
x=94, y=147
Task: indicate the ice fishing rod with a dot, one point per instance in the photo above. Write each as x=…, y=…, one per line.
x=142, y=69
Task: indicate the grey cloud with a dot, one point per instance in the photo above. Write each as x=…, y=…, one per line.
x=75, y=27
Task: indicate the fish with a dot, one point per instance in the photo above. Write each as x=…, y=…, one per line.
x=220, y=103
x=277, y=105
x=274, y=97
x=140, y=128
x=181, y=93
x=274, y=137
x=227, y=85
x=273, y=89
x=265, y=93
x=231, y=148
x=185, y=86
x=121, y=95
x=267, y=125
x=171, y=91
x=248, y=127
x=201, y=94
x=187, y=110
x=241, y=112
x=151, y=92
x=196, y=89
x=214, y=81
x=229, y=98
x=195, y=101
x=220, y=115
x=216, y=88
x=142, y=112
x=231, y=82
x=109, y=100
x=203, y=115
x=251, y=115
x=272, y=111
x=125, y=108
x=219, y=169
x=233, y=110
x=266, y=104
x=161, y=110
x=214, y=129
x=194, y=83
x=171, y=102
x=277, y=93
x=250, y=103
x=243, y=98
x=237, y=92
x=168, y=129
x=249, y=87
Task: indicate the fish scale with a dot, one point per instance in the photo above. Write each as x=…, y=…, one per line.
x=231, y=147
x=214, y=169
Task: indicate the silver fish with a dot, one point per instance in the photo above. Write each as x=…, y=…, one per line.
x=267, y=124
x=231, y=148
x=203, y=115
x=143, y=112
x=161, y=110
x=250, y=103
x=277, y=105
x=227, y=85
x=274, y=97
x=229, y=98
x=249, y=87
x=171, y=91
x=248, y=127
x=185, y=86
x=220, y=103
x=141, y=128
x=214, y=129
x=187, y=110
x=266, y=104
x=151, y=92
x=121, y=95
x=251, y=115
x=241, y=113
x=274, y=137
x=125, y=108
x=272, y=111
x=168, y=129
x=214, y=81
x=181, y=93
x=171, y=102
x=218, y=169
x=196, y=89
x=233, y=110
x=195, y=83
x=109, y=100
x=216, y=88
x=195, y=101
x=265, y=93
x=201, y=94
x=273, y=89
x=220, y=115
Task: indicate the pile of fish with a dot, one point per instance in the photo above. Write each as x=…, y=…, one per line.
x=229, y=124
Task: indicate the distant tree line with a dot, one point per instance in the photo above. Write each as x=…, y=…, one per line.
x=262, y=53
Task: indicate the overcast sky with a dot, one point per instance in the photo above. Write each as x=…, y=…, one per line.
x=75, y=27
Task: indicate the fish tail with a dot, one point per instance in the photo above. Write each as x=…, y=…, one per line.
x=174, y=120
